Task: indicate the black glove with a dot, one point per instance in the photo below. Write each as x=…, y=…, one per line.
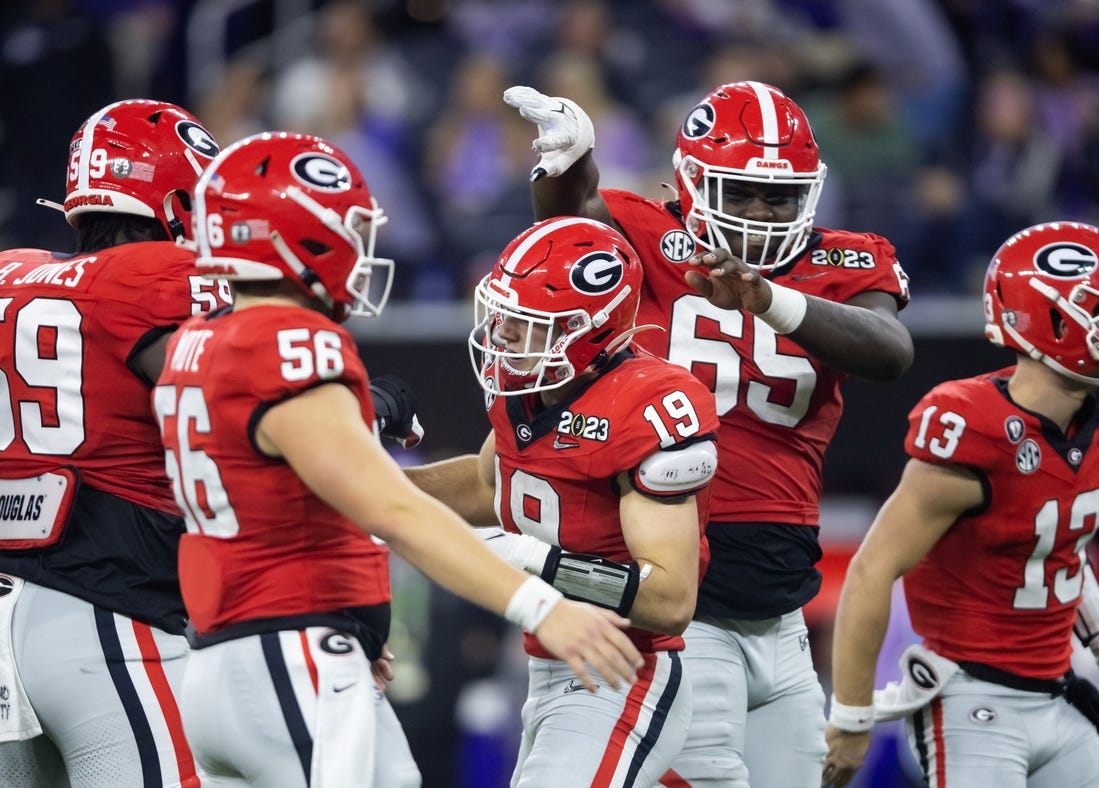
x=395, y=409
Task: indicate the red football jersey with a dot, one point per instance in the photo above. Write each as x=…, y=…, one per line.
x=778, y=406
x=68, y=326
x=259, y=543
x=556, y=470
x=1002, y=584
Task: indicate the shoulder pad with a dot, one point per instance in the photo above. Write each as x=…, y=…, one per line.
x=682, y=470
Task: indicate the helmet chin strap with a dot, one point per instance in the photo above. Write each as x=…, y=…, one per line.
x=328, y=217
x=1066, y=306
x=306, y=274
x=1023, y=343
x=1038, y=355
x=50, y=204
x=175, y=225
x=195, y=164
x=601, y=317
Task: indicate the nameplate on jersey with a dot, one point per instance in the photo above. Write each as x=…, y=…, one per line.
x=33, y=511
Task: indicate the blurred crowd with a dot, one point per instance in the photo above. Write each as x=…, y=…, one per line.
x=946, y=124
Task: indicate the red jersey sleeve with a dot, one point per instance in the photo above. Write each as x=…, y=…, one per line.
x=951, y=424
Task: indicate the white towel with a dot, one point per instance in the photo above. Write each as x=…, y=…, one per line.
x=17, y=718
x=345, y=726
x=923, y=675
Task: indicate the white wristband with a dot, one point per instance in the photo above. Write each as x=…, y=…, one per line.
x=853, y=719
x=786, y=311
x=531, y=603
x=522, y=550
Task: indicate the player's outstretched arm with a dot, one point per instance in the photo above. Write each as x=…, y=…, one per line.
x=927, y=502
x=322, y=436
x=862, y=337
x=466, y=484
x=565, y=181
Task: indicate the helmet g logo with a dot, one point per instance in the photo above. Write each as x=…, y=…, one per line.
x=699, y=122
x=597, y=273
x=1066, y=260
x=318, y=171
x=197, y=138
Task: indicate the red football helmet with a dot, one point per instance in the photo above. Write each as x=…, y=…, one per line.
x=567, y=289
x=280, y=205
x=1042, y=297
x=747, y=132
x=138, y=157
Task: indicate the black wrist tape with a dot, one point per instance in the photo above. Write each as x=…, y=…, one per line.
x=594, y=579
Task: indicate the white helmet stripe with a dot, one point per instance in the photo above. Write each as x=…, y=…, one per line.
x=534, y=238
x=86, y=140
x=770, y=119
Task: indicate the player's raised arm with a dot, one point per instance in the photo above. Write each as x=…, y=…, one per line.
x=565, y=181
x=466, y=484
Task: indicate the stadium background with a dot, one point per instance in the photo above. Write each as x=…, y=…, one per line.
x=946, y=125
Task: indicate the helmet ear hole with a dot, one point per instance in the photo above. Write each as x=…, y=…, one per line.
x=1058, y=324
x=315, y=247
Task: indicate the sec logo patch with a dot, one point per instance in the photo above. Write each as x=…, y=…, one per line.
x=677, y=245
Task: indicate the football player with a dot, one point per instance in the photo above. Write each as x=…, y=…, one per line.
x=269, y=435
x=772, y=314
x=91, y=619
x=988, y=526
x=597, y=466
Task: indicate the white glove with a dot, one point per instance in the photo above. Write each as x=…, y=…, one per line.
x=565, y=130
x=521, y=550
